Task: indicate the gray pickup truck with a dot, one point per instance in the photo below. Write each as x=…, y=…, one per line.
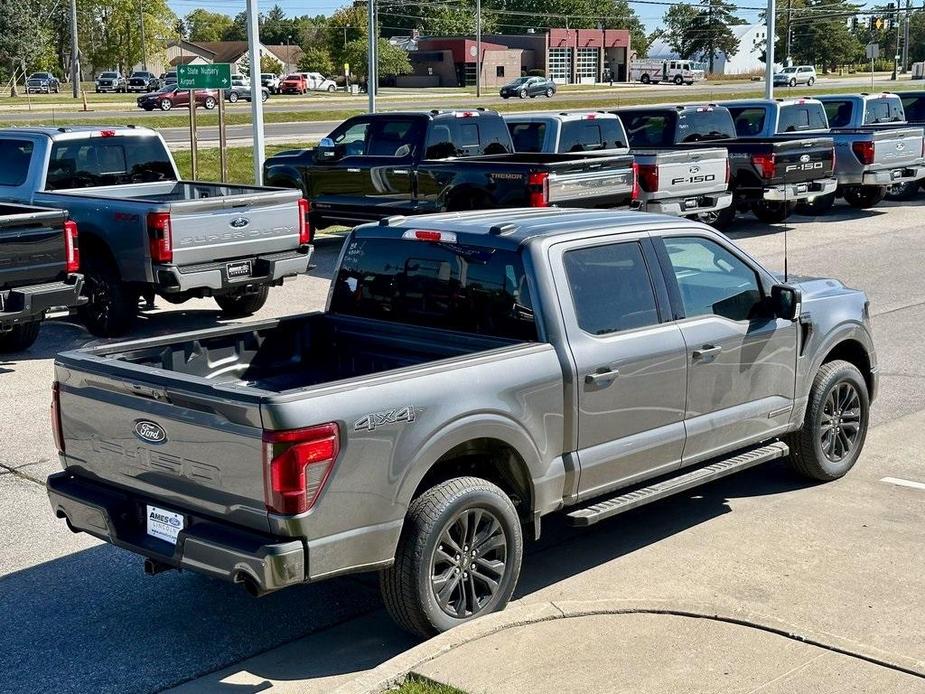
x=688, y=182
x=39, y=260
x=144, y=232
x=472, y=373
x=872, y=154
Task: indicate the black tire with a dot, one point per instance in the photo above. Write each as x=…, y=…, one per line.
x=903, y=191
x=865, y=197
x=244, y=303
x=166, y=104
x=21, y=337
x=645, y=79
x=811, y=81
x=816, y=207
x=264, y=96
x=793, y=81
x=719, y=219
x=523, y=94
x=437, y=521
x=233, y=97
x=112, y=306
x=549, y=92
x=332, y=88
x=678, y=80
x=772, y=212
x=838, y=396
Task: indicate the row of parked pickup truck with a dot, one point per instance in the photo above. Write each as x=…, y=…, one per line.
x=145, y=233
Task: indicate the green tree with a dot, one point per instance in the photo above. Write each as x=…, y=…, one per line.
x=826, y=39
x=270, y=64
x=392, y=60
x=709, y=32
x=202, y=25
x=21, y=37
x=317, y=59
x=675, y=33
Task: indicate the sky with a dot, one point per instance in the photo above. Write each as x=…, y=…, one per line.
x=650, y=14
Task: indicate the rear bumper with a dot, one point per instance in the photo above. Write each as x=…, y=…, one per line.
x=800, y=191
x=267, y=269
x=680, y=207
x=206, y=546
x=26, y=304
x=888, y=177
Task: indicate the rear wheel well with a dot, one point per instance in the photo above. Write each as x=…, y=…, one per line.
x=489, y=459
x=95, y=249
x=852, y=352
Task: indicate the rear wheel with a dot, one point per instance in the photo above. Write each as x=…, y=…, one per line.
x=166, y=105
x=835, y=424
x=819, y=205
x=772, y=212
x=645, y=79
x=549, y=92
x=243, y=303
x=678, y=80
x=209, y=103
x=233, y=97
x=20, y=338
x=458, y=557
x=718, y=219
x=112, y=306
x=864, y=197
x=811, y=81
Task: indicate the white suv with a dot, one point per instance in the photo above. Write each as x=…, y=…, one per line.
x=796, y=74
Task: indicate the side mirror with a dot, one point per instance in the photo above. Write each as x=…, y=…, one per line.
x=785, y=301
x=326, y=150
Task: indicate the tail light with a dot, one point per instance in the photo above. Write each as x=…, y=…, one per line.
x=864, y=151
x=159, y=237
x=305, y=227
x=635, y=194
x=56, y=430
x=647, y=174
x=538, y=187
x=835, y=156
x=297, y=464
x=728, y=170
x=765, y=164
x=71, y=249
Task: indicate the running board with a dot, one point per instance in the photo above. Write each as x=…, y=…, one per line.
x=600, y=510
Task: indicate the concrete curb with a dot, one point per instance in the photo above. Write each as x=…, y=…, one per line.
x=523, y=614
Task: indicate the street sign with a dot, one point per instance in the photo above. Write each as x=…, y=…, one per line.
x=873, y=50
x=212, y=76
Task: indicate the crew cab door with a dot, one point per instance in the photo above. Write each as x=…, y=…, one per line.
x=741, y=358
x=630, y=364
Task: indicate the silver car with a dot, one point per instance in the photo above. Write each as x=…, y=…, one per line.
x=794, y=75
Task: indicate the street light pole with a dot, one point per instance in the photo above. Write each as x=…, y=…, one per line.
x=253, y=40
x=769, y=53
x=478, y=48
x=144, y=51
x=75, y=65
x=372, y=67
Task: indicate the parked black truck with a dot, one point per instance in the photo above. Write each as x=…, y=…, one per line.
x=39, y=260
x=378, y=165
x=767, y=175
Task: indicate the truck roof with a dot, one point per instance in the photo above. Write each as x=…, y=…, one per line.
x=76, y=131
x=667, y=107
x=769, y=102
x=564, y=116
x=511, y=228
x=863, y=96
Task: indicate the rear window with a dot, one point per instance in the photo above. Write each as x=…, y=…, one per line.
x=649, y=128
x=590, y=135
x=16, y=156
x=884, y=110
x=106, y=161
x=528, y=137
x=454, y=287
x=914, y=106
x=748, y=121
x=703, y=124
x=796, y=117
x=838, y=113
x=466, y=137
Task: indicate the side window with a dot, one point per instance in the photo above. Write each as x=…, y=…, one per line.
x=528, y=137
x=350, y=139
x=713, y=281
x=611, y=288
x=838, y=113
x=748, y=121
x=612, y=133
x=648, y=129
x=393, y=138
x=16, y=156
x=800, y=117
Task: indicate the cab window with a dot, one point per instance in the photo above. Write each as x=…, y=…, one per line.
x=16, y=156
x=796, y=117
x=838, y=113
x=748, y=121
x=884, y=110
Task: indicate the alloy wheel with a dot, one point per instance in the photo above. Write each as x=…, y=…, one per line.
x=840, y=426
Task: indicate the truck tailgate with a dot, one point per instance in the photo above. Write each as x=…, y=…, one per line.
x=798, y=161
x=581, y=182
x=181, y=446
x=31, y=246
x=234, y=226
x=897, y=147
x=686, y=172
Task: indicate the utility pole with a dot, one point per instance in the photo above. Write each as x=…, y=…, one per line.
x=906, y=38
x=789, y=30
x=144, y=50
x=372, y=67
x=478, y=48
x=710, y=33
x=769, y=52
x=75, y=64
x=253, y=40
x=894, y=8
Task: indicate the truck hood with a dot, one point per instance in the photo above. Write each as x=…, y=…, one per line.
x=813, y=288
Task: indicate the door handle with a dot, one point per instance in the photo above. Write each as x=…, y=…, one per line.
x=403, y=172
x=706, y=351
x=354, y=170
x=602, y=376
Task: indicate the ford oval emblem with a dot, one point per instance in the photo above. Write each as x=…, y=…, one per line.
x=805, y=158
x=900, y=146
x=150, y=432
x=695, y=169
x=239, y=222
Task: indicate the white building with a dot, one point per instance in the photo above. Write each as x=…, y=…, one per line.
x=746, y=60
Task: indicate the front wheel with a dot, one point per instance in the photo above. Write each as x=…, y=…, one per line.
x=458, y=557
x=865, y=197
x=243, y=303
x=523, y=95
x=166, y=105
x=835, y=424
x=816, y=207
x=772, y=212
x=549, y=92
x=264, y=96
x=209, y=103
x=233, y=97
x=332, y=88
x=645, y=79
x=21, y=337
x=678, y=80
x=793, y=82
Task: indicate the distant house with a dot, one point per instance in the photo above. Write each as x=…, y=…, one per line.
x=235, y=53
x=746, y=60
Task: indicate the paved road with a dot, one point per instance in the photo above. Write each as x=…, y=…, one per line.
x=80, y=616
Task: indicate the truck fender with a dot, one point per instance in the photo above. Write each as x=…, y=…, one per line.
x=283, y=176
x=485, y=425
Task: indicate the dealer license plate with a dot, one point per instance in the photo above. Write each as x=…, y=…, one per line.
x=163, y=524
x=238, y=270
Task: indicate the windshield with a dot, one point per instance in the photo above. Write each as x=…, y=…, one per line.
x=294, y=77
x=267, y=75
x=519, y=80
x=788, y=70
x=109, y=75
x=139, y=74
x=39, y=75
x=107, y=161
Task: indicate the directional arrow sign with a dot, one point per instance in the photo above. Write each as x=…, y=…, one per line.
x=212, y=76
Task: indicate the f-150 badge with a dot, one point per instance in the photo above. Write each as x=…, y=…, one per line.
x=375, y=420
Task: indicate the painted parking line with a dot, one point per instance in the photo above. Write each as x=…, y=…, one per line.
x=904, y=483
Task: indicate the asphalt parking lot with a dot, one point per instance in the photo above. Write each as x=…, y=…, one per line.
x=844, y=558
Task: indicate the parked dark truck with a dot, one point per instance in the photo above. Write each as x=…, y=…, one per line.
x=39, y=263
x=472, y=373
x=383, y=164
x=768, y=175
x=145, y=232
x=870, y=157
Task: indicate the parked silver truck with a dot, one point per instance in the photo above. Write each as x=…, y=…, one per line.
x=690, y=182
x=145, y=232
x=868, y=159
x=472, y=373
